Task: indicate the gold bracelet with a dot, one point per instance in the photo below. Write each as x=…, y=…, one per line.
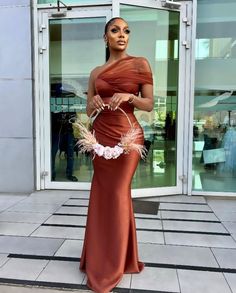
x=131, y=99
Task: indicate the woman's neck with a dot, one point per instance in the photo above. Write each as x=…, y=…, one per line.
x=116, y=55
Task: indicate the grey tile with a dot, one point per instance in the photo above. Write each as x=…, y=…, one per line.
x=147, y=216
x=35, y=207
x=16, y=59
x=202, y=281
x=226, y=216
x=178, y=255
x=230, y=226
x=183, y=198
x=29, y=268
x=150, y=237
x=222, y=204
x=187, y=215
x=125, y=281
x=231, y=279
x=59, y=232
x=62, y=272
x=156, y=279
x=29, y=245
x=31, y=289
x=45, y=194
x=17, y=229
x=14, y=2
x=45, y=200
x=77, y=202
x=21, y=177
x=225, y=257
x=66, y=220
x=148, y=224
x=3, y=259
x=200, y=240
x=20, y=102
x=73, y=210
x=23, y=217
x=70, y=248
x=186, y=207
x=193, y=226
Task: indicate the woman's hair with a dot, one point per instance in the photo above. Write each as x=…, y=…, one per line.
x=110, y=22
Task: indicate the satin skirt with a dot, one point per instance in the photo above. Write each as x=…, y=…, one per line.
x=110, y=243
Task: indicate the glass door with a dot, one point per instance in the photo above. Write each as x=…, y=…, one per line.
x=156, y=31
x=69, y=48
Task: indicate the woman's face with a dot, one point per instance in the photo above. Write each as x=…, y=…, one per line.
x=117, y=35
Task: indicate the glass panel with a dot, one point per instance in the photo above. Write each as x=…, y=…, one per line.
x=155, y=35
x=214, y=130
x=76, y=47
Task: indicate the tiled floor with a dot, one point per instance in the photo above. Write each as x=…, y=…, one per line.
x=189, y=246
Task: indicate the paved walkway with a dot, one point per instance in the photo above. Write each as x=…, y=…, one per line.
x=189, y=246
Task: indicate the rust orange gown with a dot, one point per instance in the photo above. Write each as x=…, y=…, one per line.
x=110, y=243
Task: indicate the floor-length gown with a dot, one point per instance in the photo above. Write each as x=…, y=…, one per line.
x=110, y=243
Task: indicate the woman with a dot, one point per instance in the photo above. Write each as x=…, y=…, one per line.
x=110, y=244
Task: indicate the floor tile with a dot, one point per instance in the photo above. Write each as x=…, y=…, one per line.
x=23, y=217
x=177, y=255
x=77, y=202
x=67, y=220
x=225, y=257
x=183, y=198
x=3, y=259
x=148, y=224
x=29, y=245
x=70, y=248
x=150, y=237
x=29, y=268
x=187, y=215
x=186, y=207
x=58, y=193
x=194, y=226
x=32, y=289
x=202, y=281
x=199, y=240
x=7, y=201
x=231, y=279
x=143, y=216
x=222, y=204
x=125, y=281
x=62, y=272
x=230, y=226
x=226, y=216
x=73, y=210
x=35, y=207
x=156, y=279
x=59, y=232
x=20, y=229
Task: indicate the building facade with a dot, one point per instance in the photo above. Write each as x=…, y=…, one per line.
x=48, y=51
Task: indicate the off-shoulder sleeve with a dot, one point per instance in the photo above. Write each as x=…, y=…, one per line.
x=144, y=70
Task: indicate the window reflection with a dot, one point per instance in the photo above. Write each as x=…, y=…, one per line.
x=214, y=130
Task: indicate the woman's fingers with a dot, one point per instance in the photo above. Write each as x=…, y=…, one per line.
x=97, y=103
x=116, y=100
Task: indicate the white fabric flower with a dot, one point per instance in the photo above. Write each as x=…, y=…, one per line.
x=98, y=149
x=107, y=154
x=117, y=151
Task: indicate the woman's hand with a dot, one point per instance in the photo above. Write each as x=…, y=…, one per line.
x=97, y=103
x=117, y=99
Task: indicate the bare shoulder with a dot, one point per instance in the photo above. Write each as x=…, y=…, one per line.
x=95, y=72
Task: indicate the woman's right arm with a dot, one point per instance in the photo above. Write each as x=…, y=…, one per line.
x=93, y=101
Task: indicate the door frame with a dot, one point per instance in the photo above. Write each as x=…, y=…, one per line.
x=42, y=98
